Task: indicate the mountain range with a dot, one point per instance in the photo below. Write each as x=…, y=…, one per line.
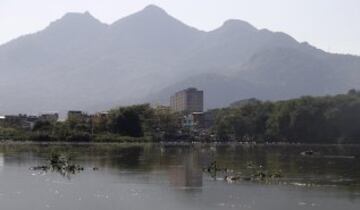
x=77, y=62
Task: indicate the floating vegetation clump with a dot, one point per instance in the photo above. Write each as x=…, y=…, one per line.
x=60, y=163
x=252, y=172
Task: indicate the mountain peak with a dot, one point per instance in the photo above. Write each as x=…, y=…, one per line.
x=151, y=17
x=74, y=21
x=154, y=8
x=152, y=11
x=74, y=18
x=77, y=15
x=238, y=24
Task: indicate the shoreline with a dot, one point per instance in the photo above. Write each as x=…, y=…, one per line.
x=169, y=143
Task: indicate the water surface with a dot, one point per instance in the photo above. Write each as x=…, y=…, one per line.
x=172, y=177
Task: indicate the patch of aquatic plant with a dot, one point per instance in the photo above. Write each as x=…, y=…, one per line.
x=60, y=163
x=252, y=172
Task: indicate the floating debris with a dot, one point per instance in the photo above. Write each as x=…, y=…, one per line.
x=213, y=169
x=252, y=172
x=310, y=153
x=61, y=164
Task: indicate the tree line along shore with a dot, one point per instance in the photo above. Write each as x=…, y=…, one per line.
x=326, y=119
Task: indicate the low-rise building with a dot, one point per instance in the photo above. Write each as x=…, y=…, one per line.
x=20, y=121
x=2, y=120
x=99, y=117
x=201, y=120
x=78, y=116
x=74, y=114
x=51, y=117
x=193, y=120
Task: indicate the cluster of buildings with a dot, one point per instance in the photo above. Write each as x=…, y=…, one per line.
x=189, y=103
x=27, y=122
x=80, y=116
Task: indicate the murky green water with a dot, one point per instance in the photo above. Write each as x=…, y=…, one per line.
x=172, y=177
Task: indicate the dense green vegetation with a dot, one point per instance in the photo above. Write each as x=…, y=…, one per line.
x=329, y=119
x=139, y=123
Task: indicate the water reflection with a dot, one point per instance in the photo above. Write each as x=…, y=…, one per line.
x=1, y=161
x=184, y=164
x=152, y=176
x=187, y=175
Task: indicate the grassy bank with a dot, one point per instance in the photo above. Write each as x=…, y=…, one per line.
x=11, y=134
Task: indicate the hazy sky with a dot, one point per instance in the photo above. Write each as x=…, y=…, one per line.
x=332, y=25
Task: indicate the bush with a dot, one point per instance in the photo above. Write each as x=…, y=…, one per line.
x=108, y=137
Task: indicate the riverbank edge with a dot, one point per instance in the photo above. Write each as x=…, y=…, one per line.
x=168, y=143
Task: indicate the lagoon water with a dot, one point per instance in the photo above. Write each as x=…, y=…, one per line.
x=172, y=177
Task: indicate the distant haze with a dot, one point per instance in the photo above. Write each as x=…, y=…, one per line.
x=332, y=25
x=78, y=62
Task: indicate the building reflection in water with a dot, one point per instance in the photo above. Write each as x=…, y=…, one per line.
x=188, y=174
x=1, y=161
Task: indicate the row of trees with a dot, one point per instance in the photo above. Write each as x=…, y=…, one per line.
x=330, y=119
x=123, y=123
